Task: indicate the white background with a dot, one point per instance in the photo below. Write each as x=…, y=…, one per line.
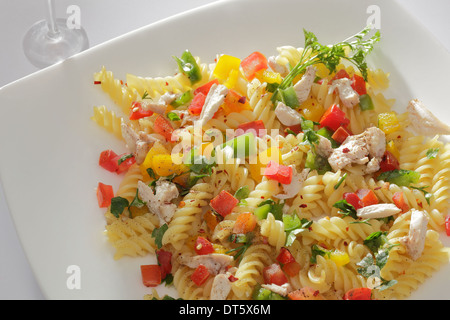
x=104, y=20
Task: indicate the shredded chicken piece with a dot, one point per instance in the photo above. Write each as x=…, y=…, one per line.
x=358, y=148
x=415, y=241
x=347, y=94
x=424, y=122
x=160, y=201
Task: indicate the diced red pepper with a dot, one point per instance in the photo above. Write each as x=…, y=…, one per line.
x=389, y=162
x=203, y=246
x=257, y=127
x=367, y=196
x=399, y=200
x=204, y=89
x=341, y=74
x=296, y=129
x=196, y=106
x=447, y=225
x=163, y=127
x=165, y=262
x=353, y=199
x=285, y=256
x=278, y=172
x=333, y=118
x=108, y=160
x=151, y=275
x=274, y=274
x=200, y=275
x=138, y=112
x=358, y=294
x=252, y=64
x=124, y=165
x=359, y=84
x=104, y=195
x=292, y=268
x=223, y=203
x=341, y=134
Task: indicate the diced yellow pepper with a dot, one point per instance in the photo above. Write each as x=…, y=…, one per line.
x=388, y=122
x=224, y=65
x=312, y=110
x=390, y=146
x=339, y=258
x=157, y=148
x=163, y=165
x=232, y=79
x=269, y=76
x=218, y=248
x=263, y=158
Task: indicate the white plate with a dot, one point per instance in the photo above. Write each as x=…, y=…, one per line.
x=50, y=147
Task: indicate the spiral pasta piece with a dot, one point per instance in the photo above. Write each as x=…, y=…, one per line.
x=185, y=216
x=108, y=120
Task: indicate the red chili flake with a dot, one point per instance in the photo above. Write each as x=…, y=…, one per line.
x=97, y=82
x=167, y=83
x=316, y=293
x=232, y=278
x=201, y=230
x=346, y=229
x=121, y=82
x=242, y=99
x=303, y=205
x=345, y=150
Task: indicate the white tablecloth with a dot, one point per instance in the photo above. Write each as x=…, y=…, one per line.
x=16, y=278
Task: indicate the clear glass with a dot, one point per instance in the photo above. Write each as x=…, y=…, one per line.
x=50, y=41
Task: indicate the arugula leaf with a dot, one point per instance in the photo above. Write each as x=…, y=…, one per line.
x=158, y=234
x=346, y=208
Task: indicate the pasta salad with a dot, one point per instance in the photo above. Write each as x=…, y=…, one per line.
x=266, y=177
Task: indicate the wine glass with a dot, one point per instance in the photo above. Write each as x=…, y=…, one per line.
x=51, y=40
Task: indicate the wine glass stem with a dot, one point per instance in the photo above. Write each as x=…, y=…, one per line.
x=53, y=31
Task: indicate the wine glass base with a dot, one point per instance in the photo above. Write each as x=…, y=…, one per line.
x=43, y=49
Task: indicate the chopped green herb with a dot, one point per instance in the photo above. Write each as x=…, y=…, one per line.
x=432, y=153
x=158, y=234
x=346, y=208
x=124, y=157
x=341, y=179
x=118, y=204
x=293, y=226
x=400, y=177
